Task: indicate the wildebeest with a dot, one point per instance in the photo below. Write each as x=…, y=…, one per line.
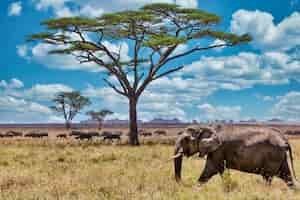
x=88, y=135
x=11, y=134
x=75, y=133
x=14, y=133
x=111, y=135
x=160, y=132
x=255, y=150
x=3, y=135
x=290, y=132
x=84, y=136
x=94, y=134
x=36, y=134
x=62, y=135
x=146, y=133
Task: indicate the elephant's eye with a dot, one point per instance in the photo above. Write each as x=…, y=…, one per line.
x=191, y=131
x=195, y=134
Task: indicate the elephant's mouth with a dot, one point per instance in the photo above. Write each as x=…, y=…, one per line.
x=187, y=154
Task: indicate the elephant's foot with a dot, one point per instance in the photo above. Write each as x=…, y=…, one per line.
x=294, y=185
x=268, y=180
x=198, y=187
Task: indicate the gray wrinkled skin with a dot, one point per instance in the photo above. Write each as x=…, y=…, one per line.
x=255, y=150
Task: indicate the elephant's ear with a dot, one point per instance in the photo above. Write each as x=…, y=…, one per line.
x=191, y=131
x=199, y=133
x=216, y=127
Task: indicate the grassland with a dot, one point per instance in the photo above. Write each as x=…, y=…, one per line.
x=67, y=169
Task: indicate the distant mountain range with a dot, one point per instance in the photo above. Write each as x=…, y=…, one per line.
x=157, y=122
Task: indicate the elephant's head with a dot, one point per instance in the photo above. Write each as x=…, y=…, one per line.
x=195, y=139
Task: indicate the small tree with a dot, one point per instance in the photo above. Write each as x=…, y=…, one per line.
x=69, y=104
x=99, y=116
x=154, y=32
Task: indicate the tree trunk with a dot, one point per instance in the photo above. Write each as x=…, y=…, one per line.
x=99, y=125
x=68, y=125
x=133, y=127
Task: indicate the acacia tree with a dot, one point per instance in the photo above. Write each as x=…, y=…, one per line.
x=99, y=116
x=69, y=104
x=153, y=32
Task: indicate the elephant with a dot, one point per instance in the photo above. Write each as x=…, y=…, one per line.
x=61, y=135
x=256, y=150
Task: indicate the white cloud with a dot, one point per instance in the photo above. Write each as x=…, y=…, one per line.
x=181, y=48
x=287, y=107
x=16, y=83
x=109, y=97
x=19, y=104
x=69, y=62
x=15, y=9
x=45, y=91
x=152, y=103
x=64, y=12
x=294, y=3
x=244, y=70
x=39, y=92
x=56, y=119
x=218, y=42
x=19, y=110
x=12, y=84
x=187, y=3
x=12, y=104
x=266, y=34
x=264, y=98
x=93, y=8
x=22, y=51
x=90, y=11
x=66, y=62
x=211, y=112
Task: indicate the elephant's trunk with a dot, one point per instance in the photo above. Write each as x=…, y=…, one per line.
x=178, y=162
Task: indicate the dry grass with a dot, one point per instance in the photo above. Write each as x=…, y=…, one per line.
x=67, y=169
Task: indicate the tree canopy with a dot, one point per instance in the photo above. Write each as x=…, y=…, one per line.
x=69, y=104
x=99, y=116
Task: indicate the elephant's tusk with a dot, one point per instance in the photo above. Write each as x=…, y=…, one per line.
x=174, y=157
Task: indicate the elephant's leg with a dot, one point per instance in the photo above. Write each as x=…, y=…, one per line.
x=267, y=179
x=209, y=171
x=285, y=174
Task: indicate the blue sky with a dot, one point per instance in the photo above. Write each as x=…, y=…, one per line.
x=257, y=80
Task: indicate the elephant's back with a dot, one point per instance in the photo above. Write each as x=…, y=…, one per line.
x=250, y=136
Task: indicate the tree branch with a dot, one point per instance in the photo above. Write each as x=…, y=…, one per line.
x=196, y=49
x=115, y=88
x=168, y=72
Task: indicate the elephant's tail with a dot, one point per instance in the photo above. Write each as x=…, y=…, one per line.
x=292, y=160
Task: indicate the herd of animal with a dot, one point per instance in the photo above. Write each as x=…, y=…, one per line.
x=81, y=135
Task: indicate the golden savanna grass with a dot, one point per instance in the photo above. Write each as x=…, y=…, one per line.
x=68, y=169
